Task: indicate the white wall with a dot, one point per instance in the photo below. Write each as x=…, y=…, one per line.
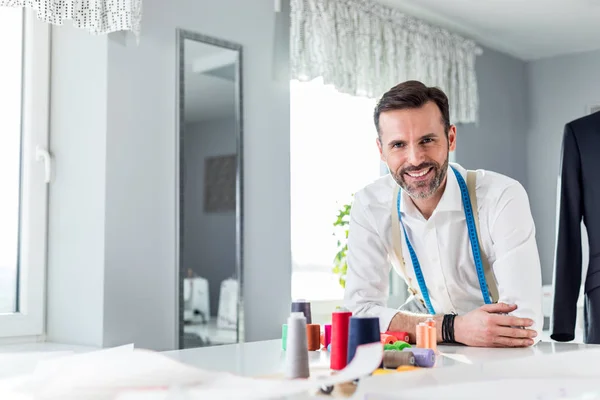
x=560, y=89
x=136, y=196
x=75, y=293
x=209, y=245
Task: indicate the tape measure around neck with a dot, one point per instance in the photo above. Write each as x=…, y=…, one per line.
x=472, y=239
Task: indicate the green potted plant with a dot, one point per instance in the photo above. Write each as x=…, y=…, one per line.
x=340, y=265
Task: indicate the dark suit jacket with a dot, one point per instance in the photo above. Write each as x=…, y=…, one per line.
x=579, y=200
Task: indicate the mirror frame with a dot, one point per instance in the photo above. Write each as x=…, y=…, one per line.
x=182, y=36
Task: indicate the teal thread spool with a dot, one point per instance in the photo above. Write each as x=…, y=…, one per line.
x=283, y=336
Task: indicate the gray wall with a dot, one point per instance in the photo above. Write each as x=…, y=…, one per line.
x=560, y=90
x=113, y=217
x=498, y=141
x=209, y=245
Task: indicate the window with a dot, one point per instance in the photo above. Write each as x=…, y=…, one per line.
x=24, y=79
x=333, y=154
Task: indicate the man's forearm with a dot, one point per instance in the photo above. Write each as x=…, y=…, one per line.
x=407, y=322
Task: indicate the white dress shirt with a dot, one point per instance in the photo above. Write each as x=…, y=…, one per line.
x=442, y=246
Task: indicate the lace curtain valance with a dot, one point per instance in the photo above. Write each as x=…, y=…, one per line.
x=96, y=16
x=364, y=48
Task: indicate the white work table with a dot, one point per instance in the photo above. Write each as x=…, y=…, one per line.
x=473, y=368
x=460, y=372
x=267, y=357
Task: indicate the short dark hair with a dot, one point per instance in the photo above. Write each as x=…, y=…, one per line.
x=412, y=94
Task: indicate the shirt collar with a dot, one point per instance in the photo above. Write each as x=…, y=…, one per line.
x=451, y=198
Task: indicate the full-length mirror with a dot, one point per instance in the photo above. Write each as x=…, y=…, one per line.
x=210, y=181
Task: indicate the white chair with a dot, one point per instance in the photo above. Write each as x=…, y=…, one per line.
x=228, y=299
x=196, y=300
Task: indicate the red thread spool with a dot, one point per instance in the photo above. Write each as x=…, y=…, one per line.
x=388, y=339
x=403, y=336
x=340, y=324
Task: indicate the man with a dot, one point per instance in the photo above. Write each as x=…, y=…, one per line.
x=415, y=219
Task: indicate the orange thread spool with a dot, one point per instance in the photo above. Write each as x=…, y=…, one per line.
x=388, y=339
x=422, y=336
x=313, y=336
x=403, y=336
x=431, y=334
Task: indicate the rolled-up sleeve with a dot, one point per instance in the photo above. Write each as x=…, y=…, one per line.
x=367, y=277
x=517, y=265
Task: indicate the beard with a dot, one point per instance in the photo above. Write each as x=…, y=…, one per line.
x=426, y=188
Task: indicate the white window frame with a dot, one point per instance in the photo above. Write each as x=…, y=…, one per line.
x=35, y=173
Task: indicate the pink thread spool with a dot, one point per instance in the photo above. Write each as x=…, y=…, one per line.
x=326, y=335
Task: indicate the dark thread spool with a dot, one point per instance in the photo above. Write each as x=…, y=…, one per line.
x=393, y=358
x=303, y=306
x=423, y=357
x=363, y=330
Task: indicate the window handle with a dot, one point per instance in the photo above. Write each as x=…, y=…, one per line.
x=41, y=154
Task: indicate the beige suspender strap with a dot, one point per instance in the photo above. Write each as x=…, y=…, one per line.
x=397, y=240
x=487, y=270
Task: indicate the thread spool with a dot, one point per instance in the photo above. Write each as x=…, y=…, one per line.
x=296, y=360
x=329, y=347
x=283, y=336
x=393, y=359
x=340, y=324
x=326, y=335
x=403, y=336
x=422, y=339
x=313, y=335
x=400, y=345
x=431, y=334
x=404, y=368
x=423, y=357
x=388, y=339
x=303, y=306
x=363, y=330
x=381, y=371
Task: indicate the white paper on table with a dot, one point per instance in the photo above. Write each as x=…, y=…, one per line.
x=103, y=374
x=581, y=365
x=18, y=363
x=127, y=374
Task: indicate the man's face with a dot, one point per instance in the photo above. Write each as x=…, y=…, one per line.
x=414, y=146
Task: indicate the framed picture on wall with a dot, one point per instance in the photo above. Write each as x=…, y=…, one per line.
x=219, y=183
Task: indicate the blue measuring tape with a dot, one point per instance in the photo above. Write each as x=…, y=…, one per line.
x=472, y=238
